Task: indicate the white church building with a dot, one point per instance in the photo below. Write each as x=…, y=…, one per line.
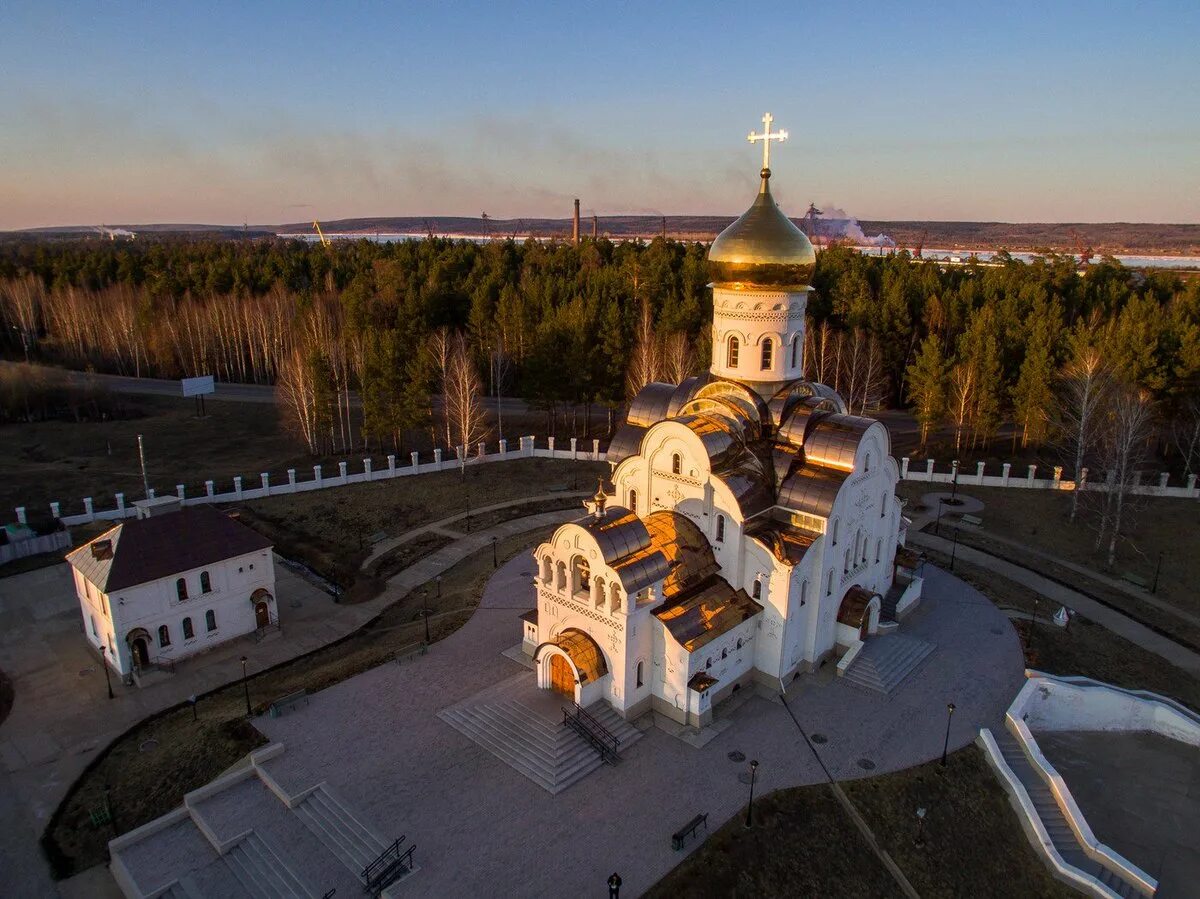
x=172, y=583
x=750, y=528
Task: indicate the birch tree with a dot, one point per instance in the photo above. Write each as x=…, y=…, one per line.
x=462, y=396
x=1083, y=387
x=1128, y=433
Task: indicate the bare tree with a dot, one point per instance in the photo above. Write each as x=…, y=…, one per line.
x=462, y=395
x=302, y=396
x=440, y=347
x=962, y=399
x=645, y=364
x=22, y=303
x=1126, y=438
x=678, y=357
x=1185, y=433
x=1084, y=385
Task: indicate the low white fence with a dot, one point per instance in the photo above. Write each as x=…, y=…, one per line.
x=575, y=450
x=322, y=480
x=1008, y=477
x=34, y=546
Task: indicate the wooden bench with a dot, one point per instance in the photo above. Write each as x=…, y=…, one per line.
x=284, y=703
x=688, y=830
x=971, y=519
x=1135, y=580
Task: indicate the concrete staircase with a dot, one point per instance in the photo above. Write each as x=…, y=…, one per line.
x=547, y=752
x=1056, y=824
x=352, y=842
x=261, y=873
x=184, y=888
x=886, y=660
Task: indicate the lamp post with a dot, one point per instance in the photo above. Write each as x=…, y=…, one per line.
x=750, y=806
x=1032, y=623
x=946, y=743
x=954, y=484
x=425, y=614
x=937, y=525
x=919, y=842
x=954, y=549
x=104, y=665
x=192, y=700
x=246, y=686
x=495, y=563
x=1157, y=569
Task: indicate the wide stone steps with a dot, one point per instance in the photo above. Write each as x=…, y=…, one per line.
x=1061, y=834
x=346, y=837
x=886, y=661
x=260, y=871
x=184, y=888
x=548, y=753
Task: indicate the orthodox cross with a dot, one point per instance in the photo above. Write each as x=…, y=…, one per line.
x=766, y=137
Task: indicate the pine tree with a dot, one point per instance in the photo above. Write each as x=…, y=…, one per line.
x=927, y=386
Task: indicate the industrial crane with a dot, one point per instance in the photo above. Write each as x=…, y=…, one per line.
x=320, y=234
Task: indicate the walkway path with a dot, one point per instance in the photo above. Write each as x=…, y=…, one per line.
x=1110, y=618
x=440, y=527
x=61, y=716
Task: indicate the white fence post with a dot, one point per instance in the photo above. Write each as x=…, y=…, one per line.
x=150, y=493
x=317, y=474
x=1004, y=470
x=550, y=441
x=503, y=447
x=1191, y=484
x=54, y=511
x=978, y=472
x=437, y=457
x=481, y=450
x=120, y=502
x=1057, y=477
x=903, y=467
x=416, y=460
x=929, y=469
x=292, y=480
x=1032, y=472
x=392, y=465
x=266, y=482
x=237, y=486
x=367, y=469
x=208, y=488
x=342, y=471
x=1162, y=480
x=21, y=515
x=181, y=492
x=595, y=450
x=574, y=450
x=87, y=508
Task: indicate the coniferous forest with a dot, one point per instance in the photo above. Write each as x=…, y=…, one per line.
x=1053, y=350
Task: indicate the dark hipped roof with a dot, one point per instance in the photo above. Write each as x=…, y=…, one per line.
x=147, y=549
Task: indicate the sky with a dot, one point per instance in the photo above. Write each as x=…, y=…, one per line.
x=263, y=112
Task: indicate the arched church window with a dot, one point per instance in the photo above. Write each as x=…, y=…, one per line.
x=757, y=588
x=547, y=570
x=615, y=597
x=205, y=582
x=708, y=663
x=676, y=464
x=641, y=667
x=731, y=356
x=878, y=548
x=633, y=501
x=164, y=636
x=768, y=351
x=210, y=620
x=740, y=643
x=725, y=653
x=829, y=584
x=181, y=589
x=846, y=561
x=188, y=631
x=720, y=528
x=835, y=531
x=803, y=592
x=867, y=463
x=795, y=350
x=883, y=504
x=562, y=576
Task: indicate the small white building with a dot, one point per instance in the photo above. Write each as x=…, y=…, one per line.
x=750, y=530
x=172, y=583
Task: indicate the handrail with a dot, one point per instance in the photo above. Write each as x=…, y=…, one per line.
x=595, y=726
x=382, y=860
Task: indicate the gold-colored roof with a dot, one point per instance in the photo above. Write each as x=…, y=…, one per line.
x=853, y=610
x=763, y=248
x=786, y=542
x=703, y=614
x=585, y=654
x=685, y=548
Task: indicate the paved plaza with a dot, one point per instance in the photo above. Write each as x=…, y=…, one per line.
x=482, y=828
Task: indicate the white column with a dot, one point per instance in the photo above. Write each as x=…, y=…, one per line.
x=342, y=471
x=367, y=468
x=437, y=457
x=1032, y=472
x=237, y=486
x=903, y=467
x=292, y=480
x=979, y=472
x=87, y=508
x=391, y=465
x=181, y=492
x=929, y=469
x=208, y=488
x=1004, y=470
x=416, y=460
x=317, y=474
x=21, y=515
x=266, y=482
x=503, y=447
x=574, y=448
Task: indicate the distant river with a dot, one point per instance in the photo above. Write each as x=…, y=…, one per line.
x=951, y=257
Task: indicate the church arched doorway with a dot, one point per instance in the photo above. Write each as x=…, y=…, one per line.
x=139, y=648
x=859, y=612
x=562, y=678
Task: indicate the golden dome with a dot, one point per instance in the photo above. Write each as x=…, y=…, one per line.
x=763, y=248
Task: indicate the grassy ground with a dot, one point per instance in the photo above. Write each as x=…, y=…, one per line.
x=331, y=531
x=1038, y=518
x=804, y=844
x=1086, y=648
x=143, y=785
